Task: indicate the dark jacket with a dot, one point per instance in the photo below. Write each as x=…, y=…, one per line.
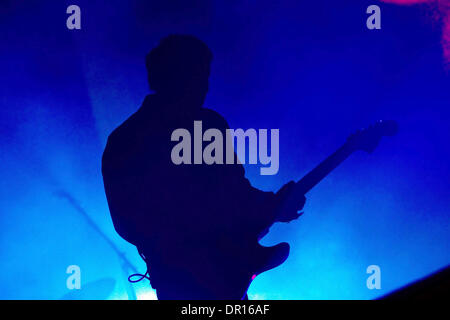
x=186, y=219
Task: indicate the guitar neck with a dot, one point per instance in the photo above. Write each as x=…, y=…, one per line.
x=324, y=168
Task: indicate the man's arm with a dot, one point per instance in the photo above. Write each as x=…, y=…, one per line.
x=262, y=209
x=255, y=209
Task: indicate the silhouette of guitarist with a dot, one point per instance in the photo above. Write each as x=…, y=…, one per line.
x=196, y=226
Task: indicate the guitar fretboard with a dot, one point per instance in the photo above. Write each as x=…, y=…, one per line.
x=323, y=169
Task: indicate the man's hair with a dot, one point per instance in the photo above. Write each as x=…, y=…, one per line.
x=174, y=61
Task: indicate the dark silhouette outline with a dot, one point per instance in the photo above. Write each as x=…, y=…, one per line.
x=196, y=226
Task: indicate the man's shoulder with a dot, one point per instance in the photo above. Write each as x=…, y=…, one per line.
x=127, y=128
x=134, y=123
x=117, y=136
x=214, y=119
x=121, y=139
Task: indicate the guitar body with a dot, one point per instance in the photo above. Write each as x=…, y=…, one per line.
x=232, y=282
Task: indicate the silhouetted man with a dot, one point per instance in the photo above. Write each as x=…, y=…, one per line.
x=196, y=225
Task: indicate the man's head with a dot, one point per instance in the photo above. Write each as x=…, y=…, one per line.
x=179, y=68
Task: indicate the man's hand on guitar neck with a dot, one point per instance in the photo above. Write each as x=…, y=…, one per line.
x=289, y=202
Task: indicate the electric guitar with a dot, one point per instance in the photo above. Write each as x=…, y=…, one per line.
x=255, y=259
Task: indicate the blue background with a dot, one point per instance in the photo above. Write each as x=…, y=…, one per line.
x=310, y=68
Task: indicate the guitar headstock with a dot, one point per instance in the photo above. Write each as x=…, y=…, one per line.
x=368, y=139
